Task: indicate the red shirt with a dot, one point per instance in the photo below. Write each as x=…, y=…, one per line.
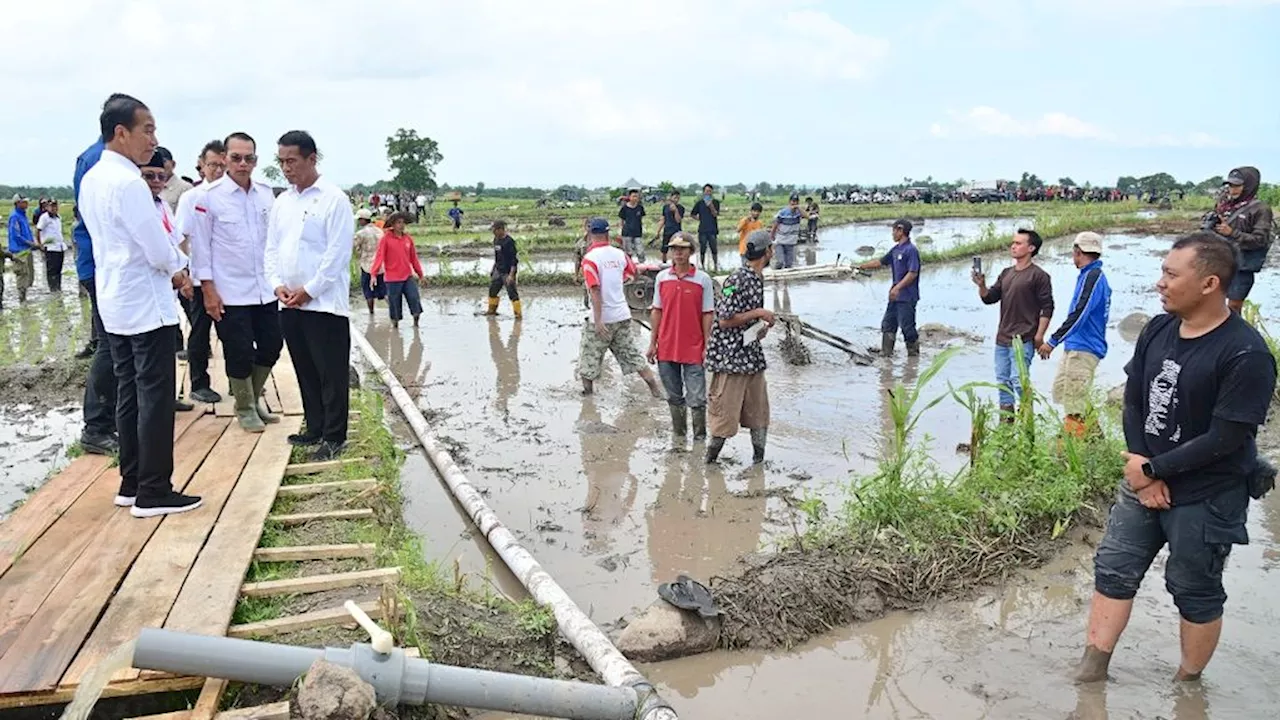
x=683, y=300
x=397, y=257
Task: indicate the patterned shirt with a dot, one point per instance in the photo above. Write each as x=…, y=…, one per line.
x=743, y=292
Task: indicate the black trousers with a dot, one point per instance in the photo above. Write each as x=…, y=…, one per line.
x=53, y=269
x=250, y=335
x=498, y=280
x=320, y=345
x=100, y=386
x=146, y=380
x=198, y=348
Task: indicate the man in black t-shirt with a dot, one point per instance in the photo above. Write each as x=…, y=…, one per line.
x=707, y=210
x=631, y=213
x=1200, y=382
x=503, y=274
x=672, y=217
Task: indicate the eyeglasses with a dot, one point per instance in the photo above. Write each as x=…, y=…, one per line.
x=236, y=158
x=152, y=175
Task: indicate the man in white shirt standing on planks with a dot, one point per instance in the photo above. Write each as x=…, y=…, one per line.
x=308, y=259
x=137, y=269
x=228, y=257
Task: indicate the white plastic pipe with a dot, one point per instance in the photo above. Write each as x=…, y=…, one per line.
x=574, y=624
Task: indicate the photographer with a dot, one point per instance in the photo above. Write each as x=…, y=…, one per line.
x=1245, y=221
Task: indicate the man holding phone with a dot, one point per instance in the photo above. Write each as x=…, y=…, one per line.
x=1025, y=294
x=904, y=293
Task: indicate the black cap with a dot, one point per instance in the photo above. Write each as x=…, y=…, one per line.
x=1235, y=177
x=902, y=224
x=164, y=154
x=156, y=161
x=795, y=196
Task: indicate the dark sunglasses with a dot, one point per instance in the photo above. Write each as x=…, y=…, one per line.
x=155, y=175
x=235, y=158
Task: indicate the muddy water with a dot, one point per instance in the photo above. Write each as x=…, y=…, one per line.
x=33, y=444
x=930, y=233
x=593, y=487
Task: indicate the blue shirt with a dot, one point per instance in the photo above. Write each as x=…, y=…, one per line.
x=79, y=233
x=1085, y=329
x=20, y=237
x=904, y=258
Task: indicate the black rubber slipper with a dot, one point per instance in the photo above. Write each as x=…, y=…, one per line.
x=689, y=594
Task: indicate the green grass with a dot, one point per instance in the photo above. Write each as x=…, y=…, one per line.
x=1253, y=315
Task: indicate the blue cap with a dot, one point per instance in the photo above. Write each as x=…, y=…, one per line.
x=598, y=226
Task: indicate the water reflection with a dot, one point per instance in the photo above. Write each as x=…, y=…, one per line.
x=506, y=363
x=606, y=462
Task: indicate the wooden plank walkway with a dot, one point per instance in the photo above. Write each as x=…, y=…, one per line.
x=78, y=576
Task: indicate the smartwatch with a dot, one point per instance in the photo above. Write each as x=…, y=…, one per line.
x=1148, y=471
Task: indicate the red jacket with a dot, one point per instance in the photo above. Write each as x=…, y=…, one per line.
x=397, y=257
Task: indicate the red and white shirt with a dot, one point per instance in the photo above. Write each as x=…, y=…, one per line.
x=608, y=267
x=683, y=300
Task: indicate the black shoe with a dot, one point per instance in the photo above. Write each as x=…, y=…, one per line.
x=206, y=395
x=170, y=504
x=328, y=451
x=304, y=440
x=87, y=352
x=99, y=444
x=182, y=355
x=181, y=405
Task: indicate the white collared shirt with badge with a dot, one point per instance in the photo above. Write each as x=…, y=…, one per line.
x=228, y=232
x=309, y=246
x=183, y=216
x=134, y=259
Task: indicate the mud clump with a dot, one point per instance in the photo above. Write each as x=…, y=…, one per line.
x=49, y=384
x=793, y=349
x=938, y=334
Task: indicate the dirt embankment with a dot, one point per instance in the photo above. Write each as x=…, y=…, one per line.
x=50, y=384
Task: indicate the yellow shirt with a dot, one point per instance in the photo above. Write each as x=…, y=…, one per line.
x=745, y=226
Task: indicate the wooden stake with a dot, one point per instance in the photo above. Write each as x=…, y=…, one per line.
x=320, y=583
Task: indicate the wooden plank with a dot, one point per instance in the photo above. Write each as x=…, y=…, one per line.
x=148, y=686
x=179, y=715
x=274, y=711
x=33, y=577
x=308, y=489
x=210, y=696
x=319, y=583
x=152, y=584
x=47, y=644
x=304, y=553
x=318, y=467
x=208, y=597
x=303, y=621
x=286, y=379
x=304, y=518
x=45, y=506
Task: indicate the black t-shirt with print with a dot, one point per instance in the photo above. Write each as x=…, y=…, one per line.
x=707, y=222
x=743, y=292
x=670, y=226
x=1180, y=385
x=632, y=227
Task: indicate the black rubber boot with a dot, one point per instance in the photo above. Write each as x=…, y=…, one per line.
x=699, y=423
x=679, y=420
x=713, y=449
x=887, y=341
x=758, y=438
x=913, y=349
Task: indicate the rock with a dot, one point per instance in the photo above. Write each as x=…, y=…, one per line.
x=1131, y=326
x=665, y=632
x=333, y=692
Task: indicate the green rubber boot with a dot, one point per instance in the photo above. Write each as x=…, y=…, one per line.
x=259, y=380
x=246, y=413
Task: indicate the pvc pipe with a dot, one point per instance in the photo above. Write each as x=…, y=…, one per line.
x=574, y=624
x=396, y=678
x=380, y=639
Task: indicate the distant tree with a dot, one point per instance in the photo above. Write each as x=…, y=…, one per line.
x=479, y=189
x=666, y=187
x=764, y=188
x=1127, y=184
x=1159, y=183
x=736, y=189
x=1209, y=185
x=1030, y=181
x=272, y=173
x=1066, y=182
x=413, y=159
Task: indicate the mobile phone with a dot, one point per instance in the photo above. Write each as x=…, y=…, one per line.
x=977, y=266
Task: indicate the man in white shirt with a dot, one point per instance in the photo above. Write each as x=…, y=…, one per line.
x=308, y=263
x=49, y=237
x=137, y=268
x=211, y=166
x=154, y=174
x=605, y=268
x=228, y=257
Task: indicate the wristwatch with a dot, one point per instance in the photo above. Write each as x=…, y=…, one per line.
x=1149, y=471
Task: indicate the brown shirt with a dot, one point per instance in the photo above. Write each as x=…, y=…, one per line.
x=1025, y=296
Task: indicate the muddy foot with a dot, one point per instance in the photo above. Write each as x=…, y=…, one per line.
x=1093, y=666
x=1184, y=676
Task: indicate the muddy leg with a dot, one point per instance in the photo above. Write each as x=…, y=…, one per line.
x=713, y=449
x=651, y=380
x=1199, y=640
x=1107, y=620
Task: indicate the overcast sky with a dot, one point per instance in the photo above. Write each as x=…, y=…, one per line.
x=592, y=92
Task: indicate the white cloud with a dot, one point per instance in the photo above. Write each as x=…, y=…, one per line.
x=988, y=121
x=493, y=81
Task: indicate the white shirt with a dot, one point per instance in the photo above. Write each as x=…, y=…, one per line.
x=167, y=223
x=50, y=228
x=186, y=207
x=608, y=267
x=228, y=232
x=309, y=245
x=134, y=259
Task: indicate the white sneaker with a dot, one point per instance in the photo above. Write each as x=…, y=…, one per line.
x=125, y=500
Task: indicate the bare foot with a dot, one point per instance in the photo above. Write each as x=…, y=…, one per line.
x=1184, y=676
x=1093, y=666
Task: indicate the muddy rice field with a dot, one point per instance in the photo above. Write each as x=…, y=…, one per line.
x=598, y=494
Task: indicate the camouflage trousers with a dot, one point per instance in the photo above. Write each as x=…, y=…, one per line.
x=619, y=339
x=24, y=271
